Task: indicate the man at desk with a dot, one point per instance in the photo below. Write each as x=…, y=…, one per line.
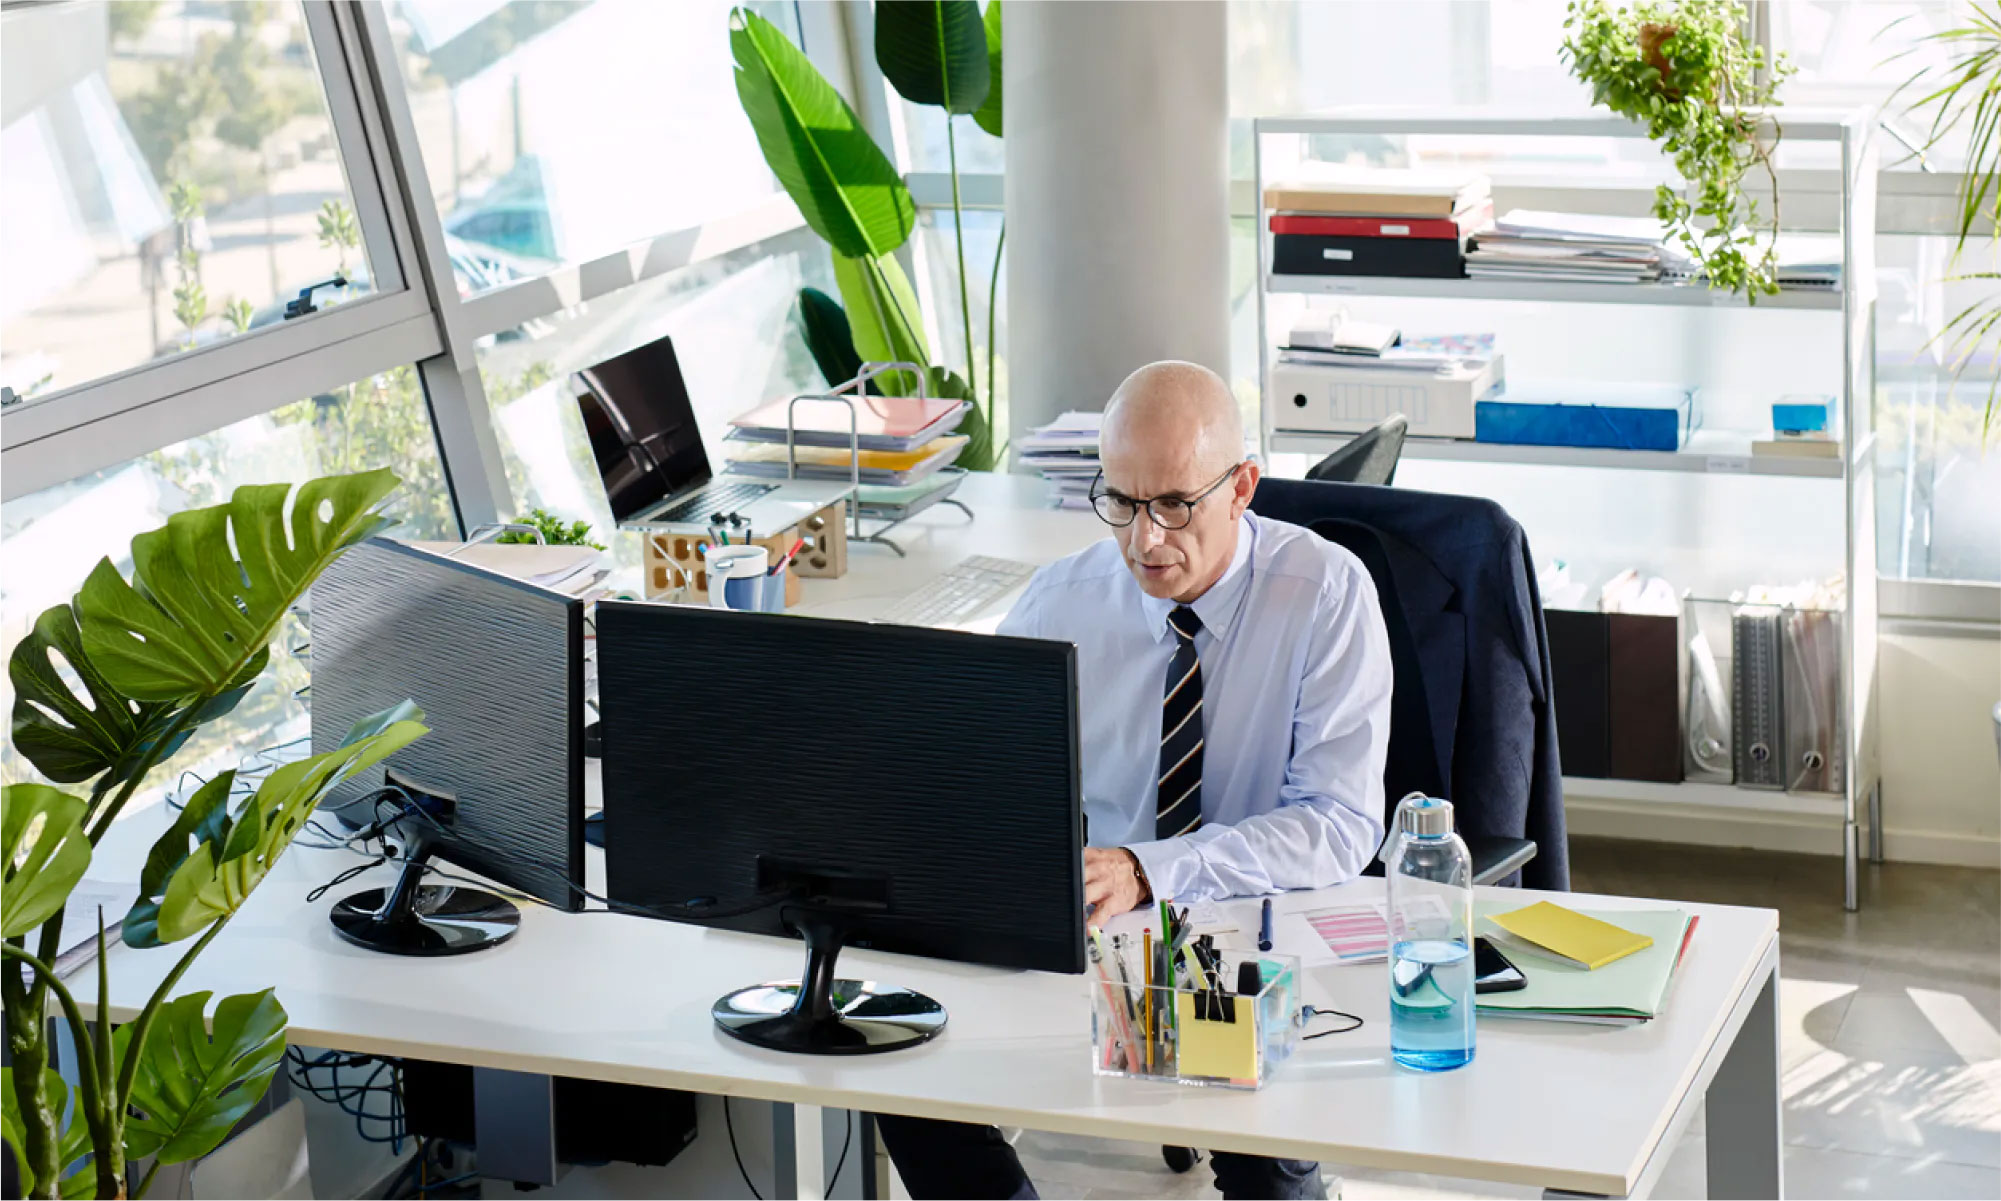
x=1234, y=696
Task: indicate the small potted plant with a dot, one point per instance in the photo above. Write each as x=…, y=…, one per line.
x=1684, y=69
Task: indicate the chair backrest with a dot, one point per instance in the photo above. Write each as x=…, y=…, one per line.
x=1467, y=650
x=1369, y=458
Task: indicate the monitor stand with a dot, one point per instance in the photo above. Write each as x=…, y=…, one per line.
x=411, y=918
x=820, y=1015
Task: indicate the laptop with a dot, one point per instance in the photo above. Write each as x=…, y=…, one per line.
x=656, y=473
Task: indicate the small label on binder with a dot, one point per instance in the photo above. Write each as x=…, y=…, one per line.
x=1336, y=253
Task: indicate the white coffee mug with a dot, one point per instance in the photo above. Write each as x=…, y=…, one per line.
x=737, y=576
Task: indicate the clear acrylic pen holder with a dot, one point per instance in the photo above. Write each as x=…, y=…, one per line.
x=1195, y=1035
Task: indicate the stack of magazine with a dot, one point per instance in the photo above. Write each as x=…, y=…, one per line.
x=905, y=446
x=1575, y=247
x=1065, y=452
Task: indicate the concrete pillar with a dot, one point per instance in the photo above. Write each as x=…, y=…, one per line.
x=1118, y=234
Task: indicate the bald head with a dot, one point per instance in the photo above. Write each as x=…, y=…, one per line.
x=1175, y=410
x=1172, y=437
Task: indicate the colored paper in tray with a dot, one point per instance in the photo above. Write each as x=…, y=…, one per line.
x=1354, y=933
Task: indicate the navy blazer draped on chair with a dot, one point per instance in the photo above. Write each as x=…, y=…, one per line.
x=1471, y=717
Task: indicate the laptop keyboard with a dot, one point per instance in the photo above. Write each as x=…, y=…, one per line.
x=714, y=499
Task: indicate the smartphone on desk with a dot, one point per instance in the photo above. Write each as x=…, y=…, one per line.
x=1492, y=972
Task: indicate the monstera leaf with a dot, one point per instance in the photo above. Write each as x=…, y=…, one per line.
x=192, y=1085
x=988, y=115
x=72, y=1145
x=209, y=588
x=71, y=740
x=845, y=187
x=933, y=52
x=884, y=317
x=184, y=889
x=41, y=833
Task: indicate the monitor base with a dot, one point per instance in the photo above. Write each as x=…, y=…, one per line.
x=867, y=1018
x=424, y=919
x=820, y=1015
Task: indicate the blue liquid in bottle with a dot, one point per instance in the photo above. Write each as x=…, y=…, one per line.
x=1431, y=1004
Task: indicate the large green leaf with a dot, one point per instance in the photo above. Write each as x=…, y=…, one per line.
x=884, y=317
x=845, y=187
x=828, y=337
x=47, y=853
x=192, y=1086
x=210, y=587
x=71, y=739
x=979, y=452
x=72, y=1146
x=988, y=115
x=184, y=888
x=933, y=51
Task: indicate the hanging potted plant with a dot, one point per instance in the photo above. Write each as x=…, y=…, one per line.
x=1684, y=69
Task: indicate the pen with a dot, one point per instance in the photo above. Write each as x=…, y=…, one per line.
x=787, y=560
x=1264, y=927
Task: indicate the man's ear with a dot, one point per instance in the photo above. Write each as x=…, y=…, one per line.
x=1246, y=486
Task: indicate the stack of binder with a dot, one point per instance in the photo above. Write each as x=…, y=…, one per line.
x=905, y=444
x=1384, y=222
x=1065, y=452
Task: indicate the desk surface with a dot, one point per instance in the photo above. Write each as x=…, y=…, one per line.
x=611, y=997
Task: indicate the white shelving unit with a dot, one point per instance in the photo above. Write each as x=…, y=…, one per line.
x=1708, y=453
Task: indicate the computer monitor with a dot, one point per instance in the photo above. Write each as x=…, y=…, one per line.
x=642, y=428
x=497, y=786
x=903, y=789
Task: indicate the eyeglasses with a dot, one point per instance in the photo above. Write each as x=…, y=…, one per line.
x=1167, y=512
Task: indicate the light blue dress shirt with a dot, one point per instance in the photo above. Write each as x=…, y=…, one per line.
x=1295, y=710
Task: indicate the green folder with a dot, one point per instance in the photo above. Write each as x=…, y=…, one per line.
x=1633, y=989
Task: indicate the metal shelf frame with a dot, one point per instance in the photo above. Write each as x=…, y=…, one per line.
x=1855, y=469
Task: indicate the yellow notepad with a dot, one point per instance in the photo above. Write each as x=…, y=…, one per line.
x=1582, y=940
x=1219, y=1050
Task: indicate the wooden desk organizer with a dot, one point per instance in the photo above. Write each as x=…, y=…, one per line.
x=825, y=556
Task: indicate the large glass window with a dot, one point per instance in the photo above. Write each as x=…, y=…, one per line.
x=50, y=540
x=735, y=325
x=171, y=181
x=559, y=130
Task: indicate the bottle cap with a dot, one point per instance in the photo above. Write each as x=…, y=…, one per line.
x=1425, y=817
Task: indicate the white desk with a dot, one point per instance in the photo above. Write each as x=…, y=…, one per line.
x=1578, y=1108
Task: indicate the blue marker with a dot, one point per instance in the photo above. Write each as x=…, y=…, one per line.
x=1264, y=927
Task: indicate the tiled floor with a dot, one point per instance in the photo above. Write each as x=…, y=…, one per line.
x=1892, y=1034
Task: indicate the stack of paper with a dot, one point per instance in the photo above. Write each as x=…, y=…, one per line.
x=1420, y=354
x=567, y=569
x=894, y=468
x=1066, y=453
x=1529, y=244
x=1630, y=984
x=899, y=423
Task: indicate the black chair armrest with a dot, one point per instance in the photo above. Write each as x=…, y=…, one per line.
x=1496, y=858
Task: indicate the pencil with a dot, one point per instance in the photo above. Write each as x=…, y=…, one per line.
x=1146, y=960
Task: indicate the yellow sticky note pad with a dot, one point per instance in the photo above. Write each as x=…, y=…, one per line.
x=1223, y=1049
x=1585, y=941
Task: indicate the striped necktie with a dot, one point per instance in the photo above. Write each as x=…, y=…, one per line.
x=1180, y=780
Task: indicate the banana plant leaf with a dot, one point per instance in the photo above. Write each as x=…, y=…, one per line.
x=979, y=452
x=210, y=587
x=883, y=316
x=845, y=187
x=828, y=337
x=988, y=115
x=71, y=740
x=41, y=833
x=192, y=1085
x=933, y=52
x=183, y=889
x=72, y=1146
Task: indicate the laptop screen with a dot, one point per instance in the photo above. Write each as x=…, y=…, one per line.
x=642, y=428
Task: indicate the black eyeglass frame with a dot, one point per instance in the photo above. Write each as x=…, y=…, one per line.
x=1148, y=503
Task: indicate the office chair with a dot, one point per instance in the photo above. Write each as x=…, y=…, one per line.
x=1369, y=458
x=1471, y=718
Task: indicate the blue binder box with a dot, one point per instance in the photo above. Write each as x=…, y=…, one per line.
x=1599, y=416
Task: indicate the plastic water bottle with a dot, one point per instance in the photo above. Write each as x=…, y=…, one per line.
x=1430, y=880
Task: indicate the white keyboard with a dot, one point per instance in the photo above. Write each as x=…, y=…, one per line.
x=968, y=587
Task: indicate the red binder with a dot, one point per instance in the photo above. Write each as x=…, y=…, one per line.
x=1457, y=226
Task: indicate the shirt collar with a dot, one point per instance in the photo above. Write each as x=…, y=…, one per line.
x=1219, y=606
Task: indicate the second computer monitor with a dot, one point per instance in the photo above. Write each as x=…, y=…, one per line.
x=917, y=790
